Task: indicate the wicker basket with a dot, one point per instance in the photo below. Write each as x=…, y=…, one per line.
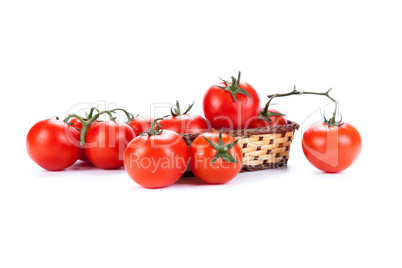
x=262, y=148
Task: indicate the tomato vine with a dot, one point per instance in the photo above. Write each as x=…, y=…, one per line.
x=330, y=122
x=86, y=122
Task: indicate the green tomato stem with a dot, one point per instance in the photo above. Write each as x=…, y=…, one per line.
x=175, y=109
x=222, y=150
x=86, y=123
x=234, y=87
x=92, y=111
x=332, y=121
x=151, y=131
x=128, y=115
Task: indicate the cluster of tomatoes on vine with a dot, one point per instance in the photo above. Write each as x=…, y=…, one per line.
x=154, y=153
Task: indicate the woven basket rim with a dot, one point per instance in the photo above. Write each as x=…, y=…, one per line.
x=290, y=126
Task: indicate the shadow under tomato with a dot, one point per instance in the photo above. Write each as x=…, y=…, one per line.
x=79, y=165
x=82, y=165
x=272, y=170
x=193, y=181
x=329, y=175
x=190, y=181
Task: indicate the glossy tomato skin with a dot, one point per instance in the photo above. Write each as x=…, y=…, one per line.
x=53, y=144
x=140, y=123
x=201, y=155
x=276, y=120
x=105, y=143
x=185, y=124
x=331, y=148
x=156, y=161
x=223, y=112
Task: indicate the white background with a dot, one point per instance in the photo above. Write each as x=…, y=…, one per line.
x=57, y=54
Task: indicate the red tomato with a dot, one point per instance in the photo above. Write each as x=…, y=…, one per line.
x=185, y=123
x=156, y=161
x=331, y=148
x=53, y=145
x=276, y=120
x=204, y=162
x=231, y=109
x=105, y=143
x=140, y=123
